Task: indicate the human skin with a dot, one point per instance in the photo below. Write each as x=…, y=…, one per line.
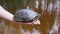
x=8, y=16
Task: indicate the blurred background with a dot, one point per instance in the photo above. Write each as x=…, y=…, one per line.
x=50, y=17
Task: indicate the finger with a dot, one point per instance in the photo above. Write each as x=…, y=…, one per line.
x=36, y=22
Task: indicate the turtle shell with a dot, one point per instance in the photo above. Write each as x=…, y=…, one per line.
x=26, y=15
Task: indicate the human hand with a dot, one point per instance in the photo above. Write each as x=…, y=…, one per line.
x=8, y=16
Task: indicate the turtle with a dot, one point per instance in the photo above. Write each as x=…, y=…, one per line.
x=26, y=15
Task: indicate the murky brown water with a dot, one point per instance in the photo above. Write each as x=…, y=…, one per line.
x=50, y=20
